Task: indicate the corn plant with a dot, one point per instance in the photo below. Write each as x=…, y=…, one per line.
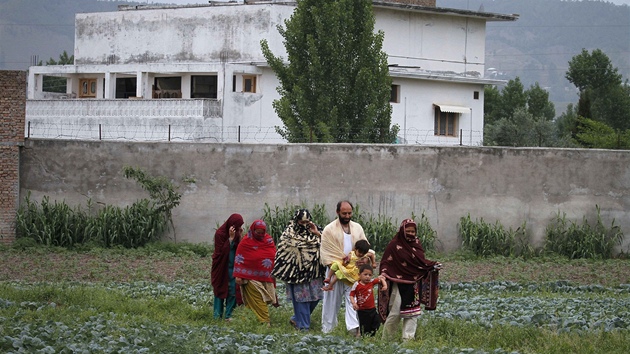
x=575, y=240
x=52, y=223
x=130, y=227
x=485, y=239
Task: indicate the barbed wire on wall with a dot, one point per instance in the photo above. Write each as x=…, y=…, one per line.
x=212, y=132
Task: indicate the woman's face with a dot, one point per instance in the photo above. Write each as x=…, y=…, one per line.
x=259, y=233
x=410, y=232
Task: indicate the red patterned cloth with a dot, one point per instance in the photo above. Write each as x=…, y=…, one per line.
x=255, y=255
x=404, y=263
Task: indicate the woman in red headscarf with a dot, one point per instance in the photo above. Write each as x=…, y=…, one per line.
x=252, y=269
x=406, y=270
x=226, y=291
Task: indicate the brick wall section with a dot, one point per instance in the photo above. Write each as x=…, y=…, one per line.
x=430, y=3
x=12, y=112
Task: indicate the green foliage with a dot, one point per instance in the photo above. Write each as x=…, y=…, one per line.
x=163, y=193
x=522, y=129
x=52, y=224
x=592, y=71
x=574, y=240
x=132, y=226
x=538, y=104
x=137, y=317
x=603, y=96
x=485, y=239
x=57, y=224
x=594, y=134
x=519, y=117
x=278, y=218
x=336, y=85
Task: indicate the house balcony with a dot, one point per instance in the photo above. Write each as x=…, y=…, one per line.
x=125, y=119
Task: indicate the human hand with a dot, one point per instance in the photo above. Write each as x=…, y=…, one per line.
x=232, y=232
x=437, y=266
x=355, y=306
x=238, y=280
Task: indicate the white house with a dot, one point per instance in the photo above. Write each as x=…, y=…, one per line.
x=197, y=73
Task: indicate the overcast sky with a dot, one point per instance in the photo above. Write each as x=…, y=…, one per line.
x=618, y=2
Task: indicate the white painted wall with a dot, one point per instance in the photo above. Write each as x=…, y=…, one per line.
x=197, y=34
x=433, y=41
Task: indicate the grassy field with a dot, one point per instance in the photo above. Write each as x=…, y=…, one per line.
x=156, y=300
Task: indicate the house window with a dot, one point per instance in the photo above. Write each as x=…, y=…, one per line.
x=203, y=86
x=249, y=83
x=476, y=95
x=126, y=87
x=87, y=88
x=233, y=83
x=445, y=123
x=395, y=94
x=167, y=87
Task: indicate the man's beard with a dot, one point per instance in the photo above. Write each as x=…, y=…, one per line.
x=344, y=221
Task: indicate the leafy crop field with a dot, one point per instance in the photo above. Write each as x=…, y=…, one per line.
x=155, y=301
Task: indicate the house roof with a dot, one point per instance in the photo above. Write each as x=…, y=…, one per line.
x=488, y=16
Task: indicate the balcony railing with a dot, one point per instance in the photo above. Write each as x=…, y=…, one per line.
x=125, y=119
x=123, y=108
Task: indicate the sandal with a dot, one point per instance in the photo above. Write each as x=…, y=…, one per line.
x=293, y=323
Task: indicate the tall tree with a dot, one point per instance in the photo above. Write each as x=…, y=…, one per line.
x=592, y=70
x=513, y=97
x=602, y=95
x=538, y=104
x=336, y=85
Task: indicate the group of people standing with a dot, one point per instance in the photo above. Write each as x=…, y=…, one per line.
x=246, y=266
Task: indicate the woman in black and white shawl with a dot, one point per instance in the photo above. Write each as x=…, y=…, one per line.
x=298, y=264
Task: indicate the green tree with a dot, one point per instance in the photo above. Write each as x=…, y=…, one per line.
x=522, y=129
x=594, y=134
x=491, y=102
x=592, y=71
x=519, y=117
x=603, y=97
x=513, y=97
x=336, y=85
x=538, y=104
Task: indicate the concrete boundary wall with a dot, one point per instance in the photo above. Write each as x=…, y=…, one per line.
x=512, y=185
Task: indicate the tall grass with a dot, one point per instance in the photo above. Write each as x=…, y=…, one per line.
x=575, y=240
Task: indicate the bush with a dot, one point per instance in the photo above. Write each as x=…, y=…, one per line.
x=485, y=239
x=569, y=239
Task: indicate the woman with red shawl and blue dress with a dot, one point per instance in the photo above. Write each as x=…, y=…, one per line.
x=226, y=291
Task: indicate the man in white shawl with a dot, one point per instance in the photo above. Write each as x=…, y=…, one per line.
x=338, y=239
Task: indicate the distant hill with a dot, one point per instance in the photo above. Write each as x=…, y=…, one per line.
x=538, y=46
x=535, y=48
